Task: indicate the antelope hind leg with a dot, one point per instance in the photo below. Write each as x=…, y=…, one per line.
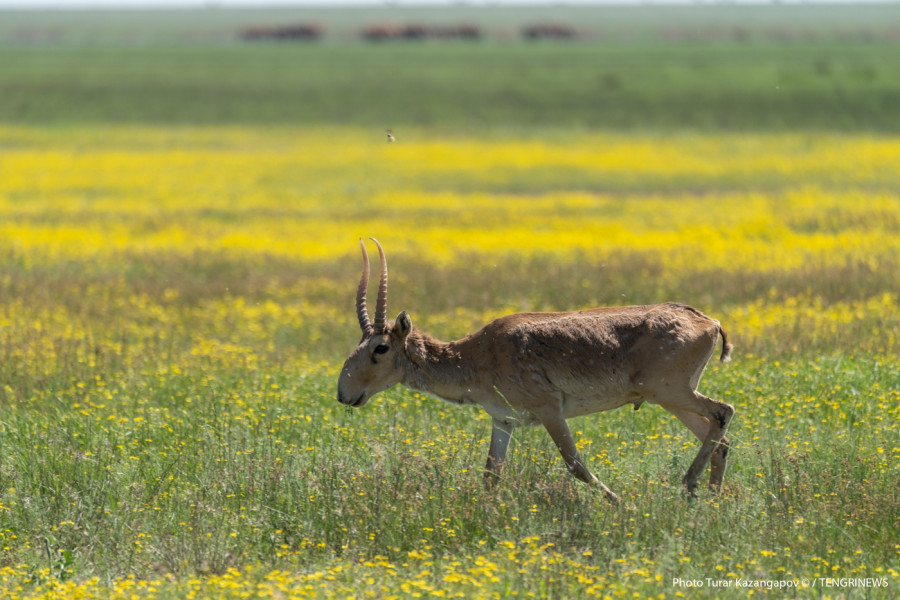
x=700, y=426
x=719, y=415
x=718, y=462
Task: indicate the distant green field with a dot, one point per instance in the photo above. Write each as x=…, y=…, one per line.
x=840, y=71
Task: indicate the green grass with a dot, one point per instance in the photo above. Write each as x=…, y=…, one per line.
x=158, y=434
x=818, y=85
x=741, y=68
x=135, y=459
x=195, y=472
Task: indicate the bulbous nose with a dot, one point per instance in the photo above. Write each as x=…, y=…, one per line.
x=350, y=401
x=342, y=397
x=358, y=401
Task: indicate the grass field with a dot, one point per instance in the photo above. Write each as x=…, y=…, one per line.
x=176, y=303
x=739, y=68
x=177, y=282
x=811, y=86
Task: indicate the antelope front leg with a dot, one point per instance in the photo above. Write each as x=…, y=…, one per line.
x=501, y=431
x=555, y=423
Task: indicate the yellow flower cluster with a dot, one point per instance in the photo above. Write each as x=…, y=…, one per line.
x=817, y=211
x=308, y=194
x=175, y=302
x=487, y=576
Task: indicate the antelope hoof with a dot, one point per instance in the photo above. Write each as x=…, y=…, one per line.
x=610, y=496
x=690, y=491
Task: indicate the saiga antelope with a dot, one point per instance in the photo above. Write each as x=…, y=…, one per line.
x=531, y=368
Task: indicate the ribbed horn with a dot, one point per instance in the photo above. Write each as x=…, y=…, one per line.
x=381, y=302
x=361, y=312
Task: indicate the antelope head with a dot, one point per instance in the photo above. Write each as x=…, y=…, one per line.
x=377, y=362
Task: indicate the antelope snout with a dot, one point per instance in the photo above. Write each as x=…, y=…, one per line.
x=354, y=401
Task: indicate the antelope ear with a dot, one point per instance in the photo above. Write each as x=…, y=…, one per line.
x=403, y=325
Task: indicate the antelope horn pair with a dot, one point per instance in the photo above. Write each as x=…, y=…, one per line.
x=368, y=329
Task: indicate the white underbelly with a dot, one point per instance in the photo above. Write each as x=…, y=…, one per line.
x=579, y=397
x=577, y=406
x=576, y=398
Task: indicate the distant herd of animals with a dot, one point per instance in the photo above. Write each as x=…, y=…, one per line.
x=381, y=32
x=549, y=30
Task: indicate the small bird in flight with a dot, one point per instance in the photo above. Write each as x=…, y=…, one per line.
x=390, y=135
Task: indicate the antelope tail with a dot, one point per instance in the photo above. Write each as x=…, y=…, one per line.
x=726, y=346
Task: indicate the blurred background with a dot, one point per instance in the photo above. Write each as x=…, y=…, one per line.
x=766, y=66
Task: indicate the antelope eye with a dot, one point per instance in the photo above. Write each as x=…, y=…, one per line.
x=381, y=349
